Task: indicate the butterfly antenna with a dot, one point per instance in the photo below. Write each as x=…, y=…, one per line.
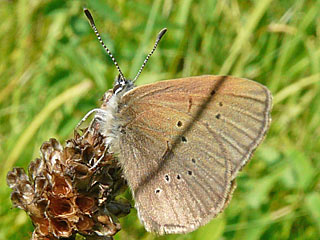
x=93, y=26
x=160, y=35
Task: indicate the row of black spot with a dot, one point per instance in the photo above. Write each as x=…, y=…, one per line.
x=167, y=178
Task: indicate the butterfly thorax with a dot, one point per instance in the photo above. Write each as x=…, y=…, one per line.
x=109, y=122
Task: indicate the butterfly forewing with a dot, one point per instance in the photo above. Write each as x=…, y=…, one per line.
x=192, y=135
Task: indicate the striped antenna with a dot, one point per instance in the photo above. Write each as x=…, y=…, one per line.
x=160, y=35
x=90, y=18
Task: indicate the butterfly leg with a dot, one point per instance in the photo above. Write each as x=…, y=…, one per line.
x=96, y=110
x=100, y=159
x=98, y=117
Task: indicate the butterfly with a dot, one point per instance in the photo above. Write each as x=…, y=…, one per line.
x=182, y=142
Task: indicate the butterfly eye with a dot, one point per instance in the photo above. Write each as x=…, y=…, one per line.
x=179, y=124
x=116, y=88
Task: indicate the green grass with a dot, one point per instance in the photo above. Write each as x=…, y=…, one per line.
x=53, y=71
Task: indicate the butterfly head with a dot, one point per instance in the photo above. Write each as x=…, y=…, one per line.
x=122, y=85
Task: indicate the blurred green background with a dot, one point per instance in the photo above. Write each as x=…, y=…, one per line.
x=53, y=70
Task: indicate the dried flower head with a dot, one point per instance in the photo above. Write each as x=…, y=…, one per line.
x=71, y=189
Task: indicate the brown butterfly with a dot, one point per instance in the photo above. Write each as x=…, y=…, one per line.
x=182, y=142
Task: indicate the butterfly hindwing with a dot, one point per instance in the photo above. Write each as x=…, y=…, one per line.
x=182, y=143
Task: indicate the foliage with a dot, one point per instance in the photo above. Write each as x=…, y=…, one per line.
x=53, y=70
